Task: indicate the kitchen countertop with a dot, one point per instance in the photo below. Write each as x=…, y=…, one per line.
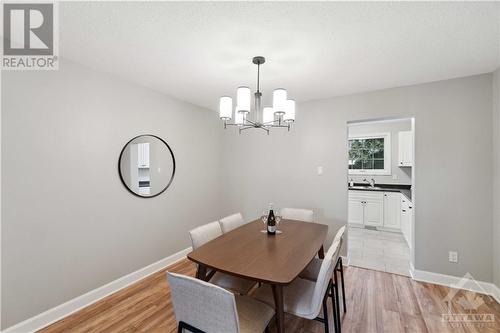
x=403, y=189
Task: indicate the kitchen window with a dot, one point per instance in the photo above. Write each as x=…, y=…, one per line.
x=370, y=155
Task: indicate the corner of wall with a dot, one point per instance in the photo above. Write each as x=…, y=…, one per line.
x=496, y=177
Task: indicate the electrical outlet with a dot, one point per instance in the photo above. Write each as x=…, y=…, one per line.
x=394, y=177
x=320, y=170
x=453, y=256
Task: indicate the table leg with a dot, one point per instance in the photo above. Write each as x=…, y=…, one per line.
x=278, y=302
x=321, y=252
x=201, y=272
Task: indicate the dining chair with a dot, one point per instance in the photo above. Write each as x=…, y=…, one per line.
x=304, y=298
x=206, y=233
x=312, y=270
x=305, y=215
x=201, y=307
x=231, y=222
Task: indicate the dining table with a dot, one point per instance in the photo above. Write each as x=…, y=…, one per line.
x=251, y=253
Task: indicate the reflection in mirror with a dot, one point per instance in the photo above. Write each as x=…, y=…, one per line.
x=146, y=166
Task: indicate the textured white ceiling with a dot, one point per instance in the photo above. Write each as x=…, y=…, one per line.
x=199, y=51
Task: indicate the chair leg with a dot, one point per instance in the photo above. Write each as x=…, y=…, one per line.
x=342, y=281
x=325, y=312
x=331, y=294
x=337, y=303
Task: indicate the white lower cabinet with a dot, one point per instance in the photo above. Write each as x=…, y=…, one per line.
x=392, y=210
x=366, y=208
x=355, y=212
x=406, y=219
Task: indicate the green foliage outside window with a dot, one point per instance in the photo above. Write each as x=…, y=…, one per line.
x=366, y=154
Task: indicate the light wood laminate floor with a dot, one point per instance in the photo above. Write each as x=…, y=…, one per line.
x=376, y=302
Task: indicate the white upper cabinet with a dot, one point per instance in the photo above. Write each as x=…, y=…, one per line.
x=143, y=155
x=392, y=210
x=405, y=158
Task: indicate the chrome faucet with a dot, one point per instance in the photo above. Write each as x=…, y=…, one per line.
x=371, y=182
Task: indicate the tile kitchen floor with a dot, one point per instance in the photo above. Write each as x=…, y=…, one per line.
x=378, y=250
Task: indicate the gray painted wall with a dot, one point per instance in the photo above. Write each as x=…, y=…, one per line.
x=393, y=127
x=496, y=186
x=69, y=225
x=62, y=133
x=453, y=166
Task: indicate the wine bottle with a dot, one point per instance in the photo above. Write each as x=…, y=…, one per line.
x=271, y=221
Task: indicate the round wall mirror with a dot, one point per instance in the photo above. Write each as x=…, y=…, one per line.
x=146, y=166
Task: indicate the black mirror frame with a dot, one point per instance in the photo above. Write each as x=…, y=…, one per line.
x=120, y=171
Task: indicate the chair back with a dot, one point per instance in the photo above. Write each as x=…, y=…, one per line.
x=231, y=222
x=204, y=234
x=203, y=305
x=340, y=233
x=305, y=215
x=324, y=276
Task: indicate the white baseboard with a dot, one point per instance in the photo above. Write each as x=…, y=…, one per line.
x=57, y=313
x=456, y=282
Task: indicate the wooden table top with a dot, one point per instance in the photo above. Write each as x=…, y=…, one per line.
x=247, y=252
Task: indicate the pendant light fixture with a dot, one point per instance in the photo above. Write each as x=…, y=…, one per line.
x=280, y=115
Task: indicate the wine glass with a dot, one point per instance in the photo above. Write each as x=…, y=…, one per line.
x=278, y=220
x=263, y=217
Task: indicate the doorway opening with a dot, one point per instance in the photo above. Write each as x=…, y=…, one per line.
x=381, y=194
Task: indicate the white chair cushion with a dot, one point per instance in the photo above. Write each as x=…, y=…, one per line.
x=204, y=234
x=233, y=283
x=305, y=215
x=312, y=270
x=297, y=297
x=254, y=316
x=231, y=222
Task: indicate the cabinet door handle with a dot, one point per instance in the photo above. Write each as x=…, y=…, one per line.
x=404, y=211
x=410, y=207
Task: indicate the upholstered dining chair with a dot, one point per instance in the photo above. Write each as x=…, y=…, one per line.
x=305, y=215
x=231, y=222
x=206, y=233
x=304, y=298
x=201, y=307
x=312, y=270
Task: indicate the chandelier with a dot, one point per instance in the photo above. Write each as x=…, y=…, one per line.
x=280, y=115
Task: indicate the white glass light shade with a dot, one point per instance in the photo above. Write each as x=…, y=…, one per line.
x=225, y=107
x=279, y=101
x=289, y=111
x=267, y=115
x=243, y=99
x=238, y=117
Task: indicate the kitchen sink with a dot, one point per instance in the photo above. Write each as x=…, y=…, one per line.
x=364, y=188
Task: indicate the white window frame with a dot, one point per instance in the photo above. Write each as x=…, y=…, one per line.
x=387, y=155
